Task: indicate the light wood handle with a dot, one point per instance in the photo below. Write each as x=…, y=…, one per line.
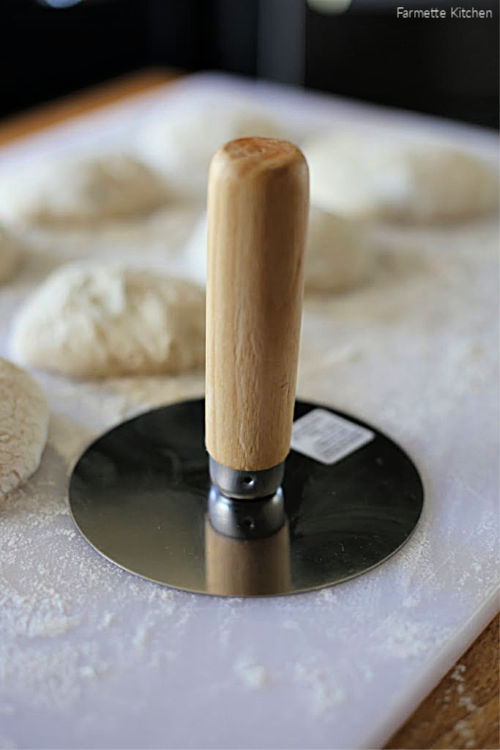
x=258, y=203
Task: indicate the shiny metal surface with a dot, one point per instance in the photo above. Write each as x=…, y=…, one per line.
x=139, y=494
x=250, y=567
x=246, y=519
x=245, y=484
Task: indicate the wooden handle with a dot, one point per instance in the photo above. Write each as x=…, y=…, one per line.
x=258, y=203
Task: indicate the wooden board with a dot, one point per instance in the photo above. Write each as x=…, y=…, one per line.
x=463, y=710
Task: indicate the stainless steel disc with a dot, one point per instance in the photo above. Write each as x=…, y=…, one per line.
x=139, y=494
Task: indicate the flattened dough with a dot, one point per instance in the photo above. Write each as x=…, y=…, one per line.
x=24, y=420
x=400, y=181
x=9, y=255
x=339, y=253
x=184, y=142
x=83, y=189
x=105, y=321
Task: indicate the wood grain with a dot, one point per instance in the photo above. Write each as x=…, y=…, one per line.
x=463, y=710
x=437, y=722
x=258, y=205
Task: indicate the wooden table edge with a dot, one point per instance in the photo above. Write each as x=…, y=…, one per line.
x=75, y=105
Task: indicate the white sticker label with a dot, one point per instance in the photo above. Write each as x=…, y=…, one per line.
x=326, y=437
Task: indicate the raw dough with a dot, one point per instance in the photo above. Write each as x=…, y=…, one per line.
x=339, y=254
x=83, y=189
x=397, y=180
x=100, y=321
x=24, y=421
x=184, y=143
x=193, y=260
x=9, y=255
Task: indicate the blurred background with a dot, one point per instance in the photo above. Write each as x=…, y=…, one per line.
x=358, y=49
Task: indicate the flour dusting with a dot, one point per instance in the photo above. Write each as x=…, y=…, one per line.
x=253, y=676
x=83, y=640
x=323, y=690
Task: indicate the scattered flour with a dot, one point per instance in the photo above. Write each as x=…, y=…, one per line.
x=107, y=620
x=458, y=673
x=325, y=693
x=55, y=593
x=466, y=733
x=410, y=601
x=141, y=637
x=327, y=595
x=253, y=676
x=407, y=638
x=463, y=700
x=467, y=703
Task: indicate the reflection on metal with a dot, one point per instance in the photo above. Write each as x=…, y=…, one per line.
x=246, y=519
x=247, y=567
x=139, y=494
x=329, y=6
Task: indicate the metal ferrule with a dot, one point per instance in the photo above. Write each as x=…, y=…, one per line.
x=246, y=504
x=246, y=485
x=246, y=519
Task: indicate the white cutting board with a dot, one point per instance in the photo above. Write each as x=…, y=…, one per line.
x=92, y=657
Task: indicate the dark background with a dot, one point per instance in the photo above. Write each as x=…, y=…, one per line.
x=446, y=67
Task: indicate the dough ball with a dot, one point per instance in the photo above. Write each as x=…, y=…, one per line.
x=184, y=143
x=80, y=190
x=339, y=255
x=399, y=181
x=9, y=255
x=24, y=421
x=194, y=256
x=104, y=321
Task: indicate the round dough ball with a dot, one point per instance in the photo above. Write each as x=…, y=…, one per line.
x=84, y=189
x=9, y=255
x=338, y=253
x=399, y=181
x=104, y=321
x=24, y=421
x=184, y=142
x=194, y=257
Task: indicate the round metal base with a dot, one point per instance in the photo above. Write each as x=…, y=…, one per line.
x=140, y=495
